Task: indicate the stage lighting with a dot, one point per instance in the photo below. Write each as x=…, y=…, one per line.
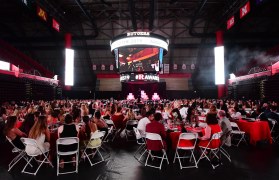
x=232, y=76
x=4, y=65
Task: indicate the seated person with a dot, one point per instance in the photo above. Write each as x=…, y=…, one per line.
x=40, y=133
x=3, y=116
x=213, y=109
x=28, y=123
x=211, y=128
x=130, y=115
x=273, y=114
x=241, y=110
x=69, y=129
x=12, y=132
x=183, y=111
x=225, y=126
x=77, y=116
x=53, y=118
x=156, y=127
x=144, y=121
x=118, y=118
x=87, y=129
x=175, y=113
x=256, y=113
x=101, y=124
x=107, y=114
x=259, y=114
x=191, y=116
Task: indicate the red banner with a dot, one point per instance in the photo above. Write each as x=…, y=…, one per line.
x=245, y=10
x=41, y=13
x=230, y=22
x=55, y=25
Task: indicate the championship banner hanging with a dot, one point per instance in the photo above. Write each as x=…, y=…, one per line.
x=244, y=10
x=41, y=13
x=94, y=67
x=166, y=68
x=111, y=67
x=103, y=67
x=230, y=22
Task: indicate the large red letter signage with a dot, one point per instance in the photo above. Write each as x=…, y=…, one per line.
x=230, y=22
x=245, y=10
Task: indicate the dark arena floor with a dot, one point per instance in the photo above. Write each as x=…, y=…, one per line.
x=248, y=163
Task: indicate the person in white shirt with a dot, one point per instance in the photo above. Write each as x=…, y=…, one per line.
x=144, y=121
x=183, y=111
x=40, y=133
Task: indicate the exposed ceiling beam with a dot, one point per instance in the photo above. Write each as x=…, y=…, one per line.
x=132, y=10
x=171, y=46
x=151, y=15
x=95, y=28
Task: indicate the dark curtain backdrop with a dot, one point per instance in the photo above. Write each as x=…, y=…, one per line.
x=148, y=88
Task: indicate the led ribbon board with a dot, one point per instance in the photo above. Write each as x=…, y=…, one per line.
x=139, y=39
x=132, y=77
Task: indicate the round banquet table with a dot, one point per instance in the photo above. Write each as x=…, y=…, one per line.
x=257, y=130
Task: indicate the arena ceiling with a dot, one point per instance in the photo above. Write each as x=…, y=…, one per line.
x=190, y=26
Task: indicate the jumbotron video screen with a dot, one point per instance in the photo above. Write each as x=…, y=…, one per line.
x=139, y=59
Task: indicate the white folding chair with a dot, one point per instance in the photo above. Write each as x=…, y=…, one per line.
x=68, y=141
x=155, y=137
x=237, y=131
x=43, y=152
x=89, y=147
x=110, y=133
x=129, y=128
x=186, y=142
x=212, y=150
x=272, y=130
x=141, y=142
x=20, y=154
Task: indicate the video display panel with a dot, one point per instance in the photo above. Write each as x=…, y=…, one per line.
x=139, y=59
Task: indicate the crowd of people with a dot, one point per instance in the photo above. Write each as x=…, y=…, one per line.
x=81, y=118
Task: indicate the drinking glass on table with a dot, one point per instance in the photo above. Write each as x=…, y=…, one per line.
x=193, y=124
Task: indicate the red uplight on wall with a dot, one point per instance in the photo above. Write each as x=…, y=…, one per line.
x=55, y=25
x=230, y=22
x=244, y=10
x=41, y=13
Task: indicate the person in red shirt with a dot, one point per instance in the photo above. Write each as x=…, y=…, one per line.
x=211, y=128
x=118, y=119
x=156, y=127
